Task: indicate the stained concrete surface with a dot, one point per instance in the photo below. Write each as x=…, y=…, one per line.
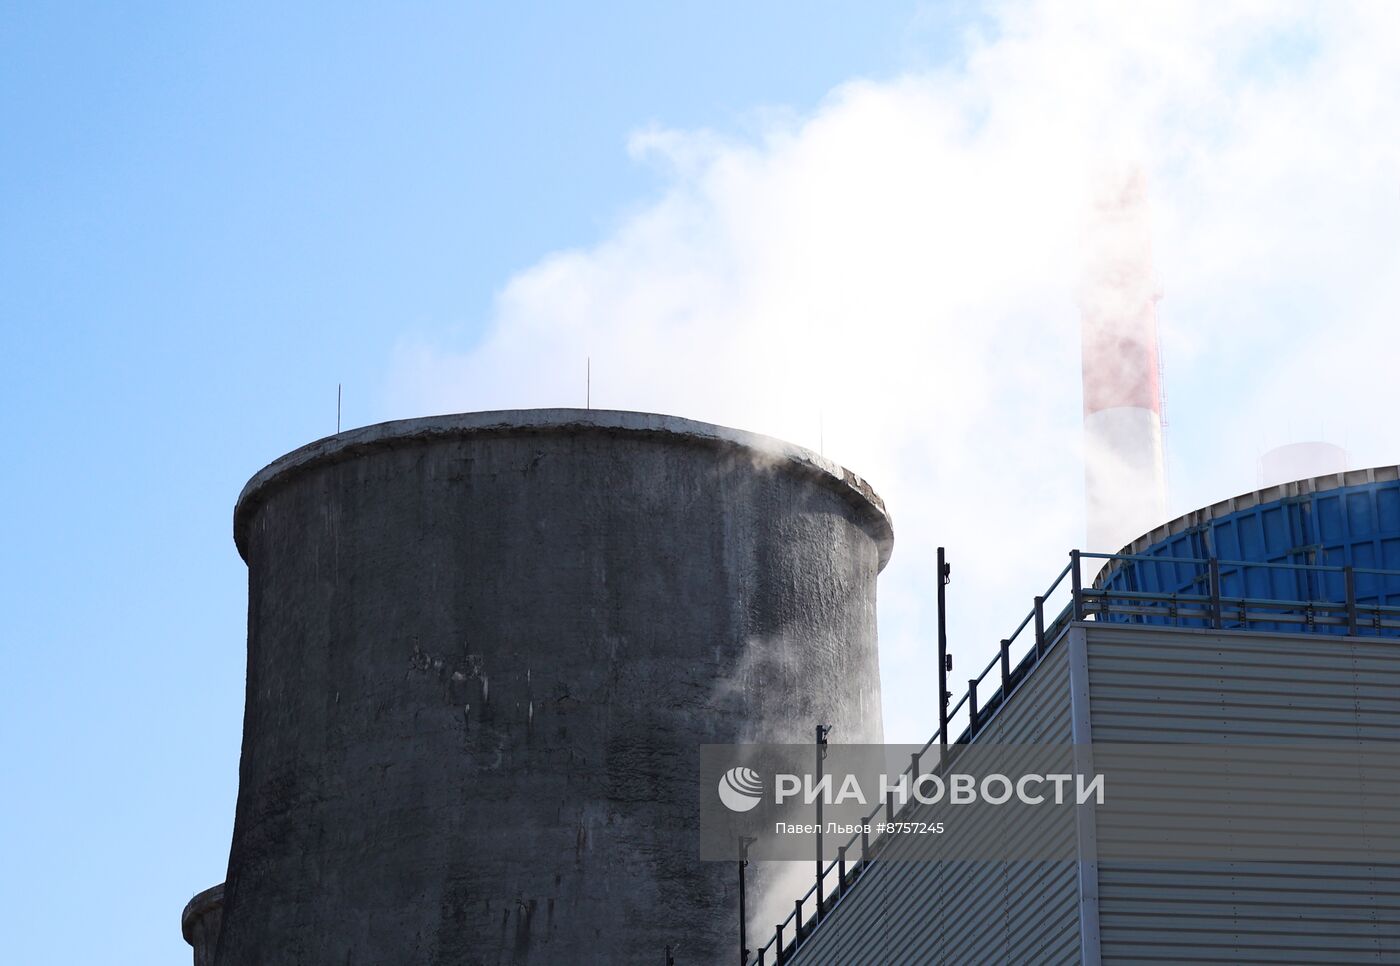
x=483, y=651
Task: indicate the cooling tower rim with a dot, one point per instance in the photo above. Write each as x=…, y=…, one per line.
x=202, y=903
x=1259, y=497
x=869, y=508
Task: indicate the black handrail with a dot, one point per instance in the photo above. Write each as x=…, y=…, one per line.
x=1085, y=602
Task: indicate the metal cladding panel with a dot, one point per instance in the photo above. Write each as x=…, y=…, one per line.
x=1181, y=685
x=911, y=912
x=1354, y=525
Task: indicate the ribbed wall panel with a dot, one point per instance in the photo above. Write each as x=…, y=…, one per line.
x=1158, y=685
x=909, y=912
x=1163, y=685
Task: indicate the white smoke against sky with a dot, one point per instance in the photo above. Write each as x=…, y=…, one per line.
x=892, y=278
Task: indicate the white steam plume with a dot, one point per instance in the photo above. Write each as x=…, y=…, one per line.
x=895, y=276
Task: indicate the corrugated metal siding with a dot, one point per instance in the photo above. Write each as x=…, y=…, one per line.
x=1150, y=684
x=969, y=912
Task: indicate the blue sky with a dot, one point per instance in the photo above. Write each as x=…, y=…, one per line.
x=856, y=223
x=212, y=215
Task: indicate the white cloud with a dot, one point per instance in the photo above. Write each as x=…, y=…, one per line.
x=894, y=277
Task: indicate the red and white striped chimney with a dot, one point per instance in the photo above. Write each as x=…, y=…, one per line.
x=1124, y=475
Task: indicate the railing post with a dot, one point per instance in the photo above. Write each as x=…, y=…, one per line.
x=943, y=662
x=1213, y=565
x=778, y=943
x=797, y=921
x=1076, y=584
x=1349, y=578
x=762, y=952
x=841, y=871
x=864, y=847
x=1039, y=628
x=889, y=808
x=1005, y=670
x=744, y=843
x=972, y=707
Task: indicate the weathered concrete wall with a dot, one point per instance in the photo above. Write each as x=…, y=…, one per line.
x=482, y=653
x=199, y=923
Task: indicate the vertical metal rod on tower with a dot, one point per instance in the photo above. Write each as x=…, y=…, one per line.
x=1216, y=616
x=588, y=383
x=1076, y=586
x=1349, y=578
x=1039, y=628
x=337, y=407
x=943, y=694
x=1005, y=670
x=744, y=843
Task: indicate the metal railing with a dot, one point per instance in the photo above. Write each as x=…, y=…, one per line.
x=1098, y=601
x=1342, y=610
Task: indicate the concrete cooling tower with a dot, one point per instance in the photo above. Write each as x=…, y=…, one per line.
x=483, y=652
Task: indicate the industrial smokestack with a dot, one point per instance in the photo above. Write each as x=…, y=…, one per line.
x=1124, y=478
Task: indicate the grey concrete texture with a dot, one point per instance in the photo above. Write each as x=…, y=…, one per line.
x=200, y=922
x=483, y=651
